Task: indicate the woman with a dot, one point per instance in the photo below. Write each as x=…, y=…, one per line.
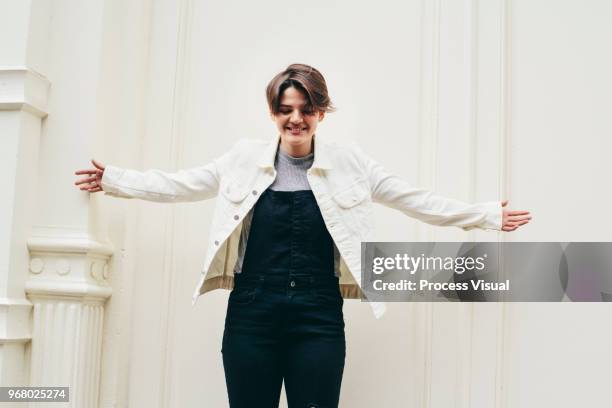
x=286, y=237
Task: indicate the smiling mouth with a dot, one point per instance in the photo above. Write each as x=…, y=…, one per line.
x=295, y=129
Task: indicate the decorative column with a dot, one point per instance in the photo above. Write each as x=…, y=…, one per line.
x=23, y=99
x=63, y=271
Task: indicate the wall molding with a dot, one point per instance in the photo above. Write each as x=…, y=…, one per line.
x=505, y=150
x=23, y=89
x=15, y=320
x=172, y=262
x=427, y=140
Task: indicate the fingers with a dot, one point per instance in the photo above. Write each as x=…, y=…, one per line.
x=89, y=171
x=91, y=189
x=514, y=218
x=99, y=168
x=516, y=223
x=90, y=184
x=85, y=180
x=520, y=221
x=512, y=225
x=97, y=164
x=518, y=212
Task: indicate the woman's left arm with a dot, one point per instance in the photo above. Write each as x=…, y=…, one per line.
x=394, y=192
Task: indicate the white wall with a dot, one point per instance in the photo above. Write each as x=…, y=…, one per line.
x=479, y=100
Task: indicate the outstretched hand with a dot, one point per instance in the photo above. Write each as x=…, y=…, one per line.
x=511, y=220
x=93, y=183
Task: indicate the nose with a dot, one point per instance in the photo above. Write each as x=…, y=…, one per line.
x=296, y=117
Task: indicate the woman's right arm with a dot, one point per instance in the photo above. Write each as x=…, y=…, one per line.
x=194, y=184
x=198, y=183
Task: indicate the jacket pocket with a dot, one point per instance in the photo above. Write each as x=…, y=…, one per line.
x=351, y=196
x=234, y=191
x=354, y=208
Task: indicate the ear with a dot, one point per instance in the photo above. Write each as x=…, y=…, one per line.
x=321, y=115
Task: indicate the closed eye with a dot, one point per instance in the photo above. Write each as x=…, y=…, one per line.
x=304, y=112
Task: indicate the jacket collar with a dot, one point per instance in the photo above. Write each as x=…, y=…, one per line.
x=321, y=154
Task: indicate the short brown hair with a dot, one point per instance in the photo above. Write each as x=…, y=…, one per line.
x=304, y=78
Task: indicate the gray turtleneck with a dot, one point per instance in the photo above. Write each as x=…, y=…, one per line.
x=291, y=172
x=290, y=176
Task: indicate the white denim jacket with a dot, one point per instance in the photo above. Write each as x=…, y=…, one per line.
x=344, y=181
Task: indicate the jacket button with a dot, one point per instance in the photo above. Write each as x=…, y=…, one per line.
x=236, y=217
x=292, y=284
x=216, y=242
x=254, y=192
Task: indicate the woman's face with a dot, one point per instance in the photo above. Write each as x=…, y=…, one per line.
x=296, y=122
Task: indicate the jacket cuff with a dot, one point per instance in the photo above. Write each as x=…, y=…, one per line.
x=493, y=218
x=111, y=176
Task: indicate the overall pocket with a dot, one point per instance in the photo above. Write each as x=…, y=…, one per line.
x=328, y=295
x=245, y=293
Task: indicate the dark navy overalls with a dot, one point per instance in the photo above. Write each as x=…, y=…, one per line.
x=284, y=317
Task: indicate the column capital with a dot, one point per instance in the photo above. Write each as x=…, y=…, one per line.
x=68, y=263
